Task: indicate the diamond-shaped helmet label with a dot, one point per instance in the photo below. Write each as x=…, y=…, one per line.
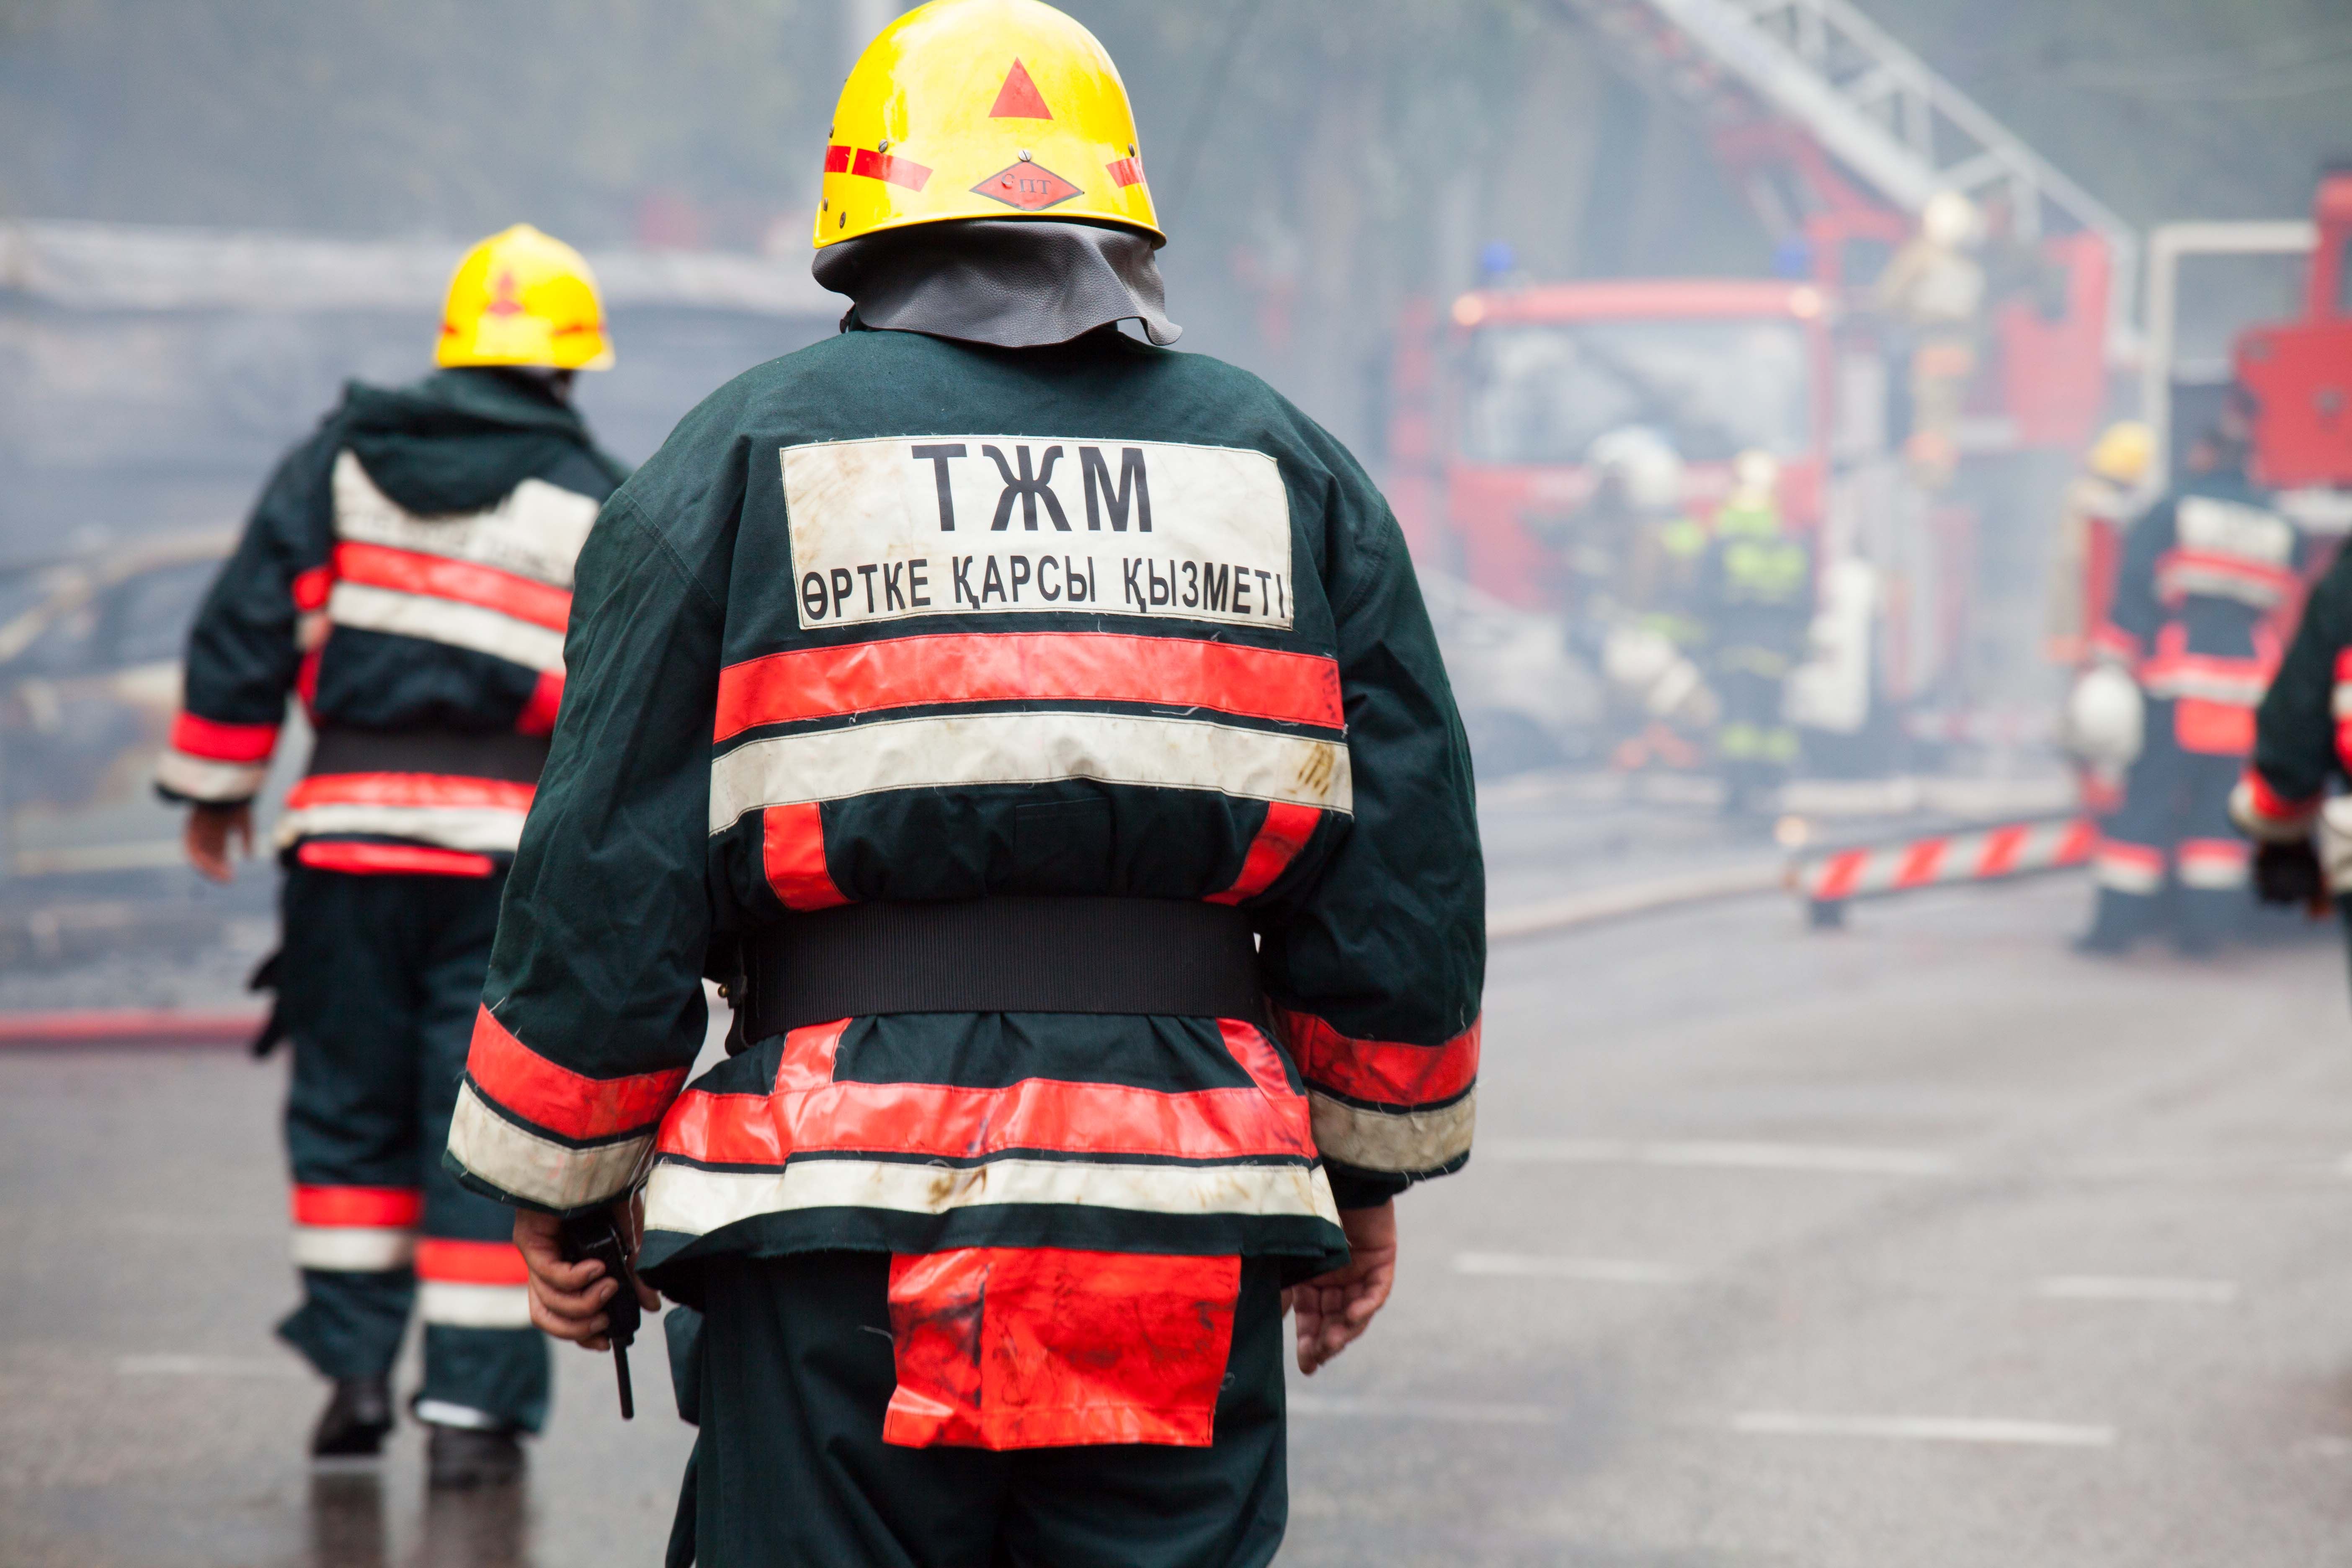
x=1029, y=186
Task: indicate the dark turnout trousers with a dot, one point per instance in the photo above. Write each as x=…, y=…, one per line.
x=797, y=1367
x=380, y=980
x=2174, y=826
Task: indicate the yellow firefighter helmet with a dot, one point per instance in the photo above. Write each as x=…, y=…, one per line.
x=2123, y=452
x=526, y=299
x=971, y=109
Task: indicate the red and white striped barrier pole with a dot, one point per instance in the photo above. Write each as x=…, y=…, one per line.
x=1828, y=882
x=105, y=1026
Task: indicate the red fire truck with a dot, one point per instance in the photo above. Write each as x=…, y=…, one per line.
x=1842, y=137
x=2300, y=371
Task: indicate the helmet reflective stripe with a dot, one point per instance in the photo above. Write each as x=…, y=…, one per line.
x=983, y=109
x=522, y=298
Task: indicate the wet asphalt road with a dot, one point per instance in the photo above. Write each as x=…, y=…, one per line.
x=1921, y=1243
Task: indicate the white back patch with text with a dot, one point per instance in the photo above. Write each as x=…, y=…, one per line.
x=930, y=525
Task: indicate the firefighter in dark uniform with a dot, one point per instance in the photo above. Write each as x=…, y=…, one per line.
x=2203, y=576
x=2302, y=744
x=1756, y=596
x=1049, y=730
x=407, y=576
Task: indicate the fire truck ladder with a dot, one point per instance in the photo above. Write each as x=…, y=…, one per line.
x=1866, y=99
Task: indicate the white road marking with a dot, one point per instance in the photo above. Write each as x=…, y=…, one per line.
x=1835, y=1159
x=1596, y=1270
x=1426, y=1410
x=202, y=1366
x=1923, y=1429
x=1754, y=1423
x=2122, y=1288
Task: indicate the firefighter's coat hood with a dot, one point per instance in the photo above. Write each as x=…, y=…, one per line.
x=459, y=440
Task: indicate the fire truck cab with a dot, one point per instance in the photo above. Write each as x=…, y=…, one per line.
x=1714, y=368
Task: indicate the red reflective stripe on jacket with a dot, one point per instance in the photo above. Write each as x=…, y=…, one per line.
x=391, y=859
x=809, y=1050
x=2267, y=801
x=306, y=679
x=409, y=790
x=390, y=1208
x=1042, y=1347
x=1382, y=1071
x=546, y=700
x=218, y=742
x=470, y=1262
x=1004, y=667
x=565, y=1102
x=808, y=1112
x=2213, y=728
x=1285, y=832
x=1256, y=1052
x=792, y=852
x=443, y=577
x=311, y=588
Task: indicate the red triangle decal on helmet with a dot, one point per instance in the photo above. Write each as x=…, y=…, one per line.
x=1018, y=98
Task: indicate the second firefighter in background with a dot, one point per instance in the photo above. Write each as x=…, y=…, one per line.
x=2183, y=657
x=1755, y=596
x=406, y=577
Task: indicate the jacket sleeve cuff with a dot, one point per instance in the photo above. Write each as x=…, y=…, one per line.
x=1385, y=1108
x=209, y=762
x=185, y=780
x=529, y=1132
x=2261, y=814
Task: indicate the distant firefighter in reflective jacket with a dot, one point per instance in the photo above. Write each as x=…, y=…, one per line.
x=407, y=576
x=2205, y=574
x=1047, y=732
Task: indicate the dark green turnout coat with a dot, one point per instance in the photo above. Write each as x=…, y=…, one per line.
x=898, y=618
x=407, y=575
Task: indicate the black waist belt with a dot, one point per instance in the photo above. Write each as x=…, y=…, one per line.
x=476, y=754
x=1001, y=955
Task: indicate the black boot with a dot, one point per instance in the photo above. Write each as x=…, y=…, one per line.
x=358, y=1414
x=460, y=1458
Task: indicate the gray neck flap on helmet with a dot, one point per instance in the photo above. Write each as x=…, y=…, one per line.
x=1016, y=283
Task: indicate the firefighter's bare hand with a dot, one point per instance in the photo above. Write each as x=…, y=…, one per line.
x=567, y=1299
x=212, y=829
x=1335, y=1308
